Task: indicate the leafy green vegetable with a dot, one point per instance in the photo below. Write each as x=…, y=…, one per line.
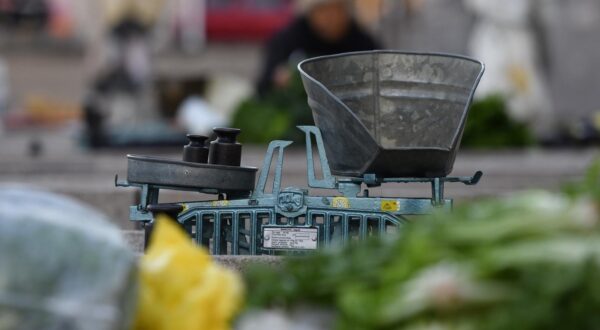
x=589, y=186
x=275, y=115
x=529, y=261
x=489, y=126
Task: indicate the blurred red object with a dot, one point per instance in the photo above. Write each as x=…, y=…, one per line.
x=252, y=20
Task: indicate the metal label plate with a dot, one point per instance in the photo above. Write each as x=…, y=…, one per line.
x=290, y=238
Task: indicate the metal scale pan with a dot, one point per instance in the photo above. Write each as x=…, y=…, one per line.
x=186, y=175
x=390, y=113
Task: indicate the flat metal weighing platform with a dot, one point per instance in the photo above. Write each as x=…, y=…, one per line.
x=208, y=178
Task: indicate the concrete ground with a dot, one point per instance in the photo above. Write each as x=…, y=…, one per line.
x=88, y=176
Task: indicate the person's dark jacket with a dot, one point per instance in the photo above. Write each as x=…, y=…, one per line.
x=299, y=37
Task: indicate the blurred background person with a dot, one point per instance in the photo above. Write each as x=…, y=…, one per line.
x=121, y=108
x=323, y=27
x=122, y=72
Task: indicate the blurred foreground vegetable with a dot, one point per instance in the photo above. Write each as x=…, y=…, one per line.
x=529, y=261
x=181, y=287
x=63, y=265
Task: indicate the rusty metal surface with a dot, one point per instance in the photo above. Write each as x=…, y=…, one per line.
x=391, y=113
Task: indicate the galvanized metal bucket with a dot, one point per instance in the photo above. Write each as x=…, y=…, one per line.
x=389, y=113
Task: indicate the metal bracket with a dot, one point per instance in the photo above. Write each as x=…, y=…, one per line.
x=123, y=183
x=148, y=195
x=437, y=184
x=371, y=180
x=259, y=191
x=328, y=181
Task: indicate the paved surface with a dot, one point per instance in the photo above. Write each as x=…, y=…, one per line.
x=63, y=167
x=89, y=176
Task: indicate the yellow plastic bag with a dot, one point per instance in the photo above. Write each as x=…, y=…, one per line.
x=181, y=288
